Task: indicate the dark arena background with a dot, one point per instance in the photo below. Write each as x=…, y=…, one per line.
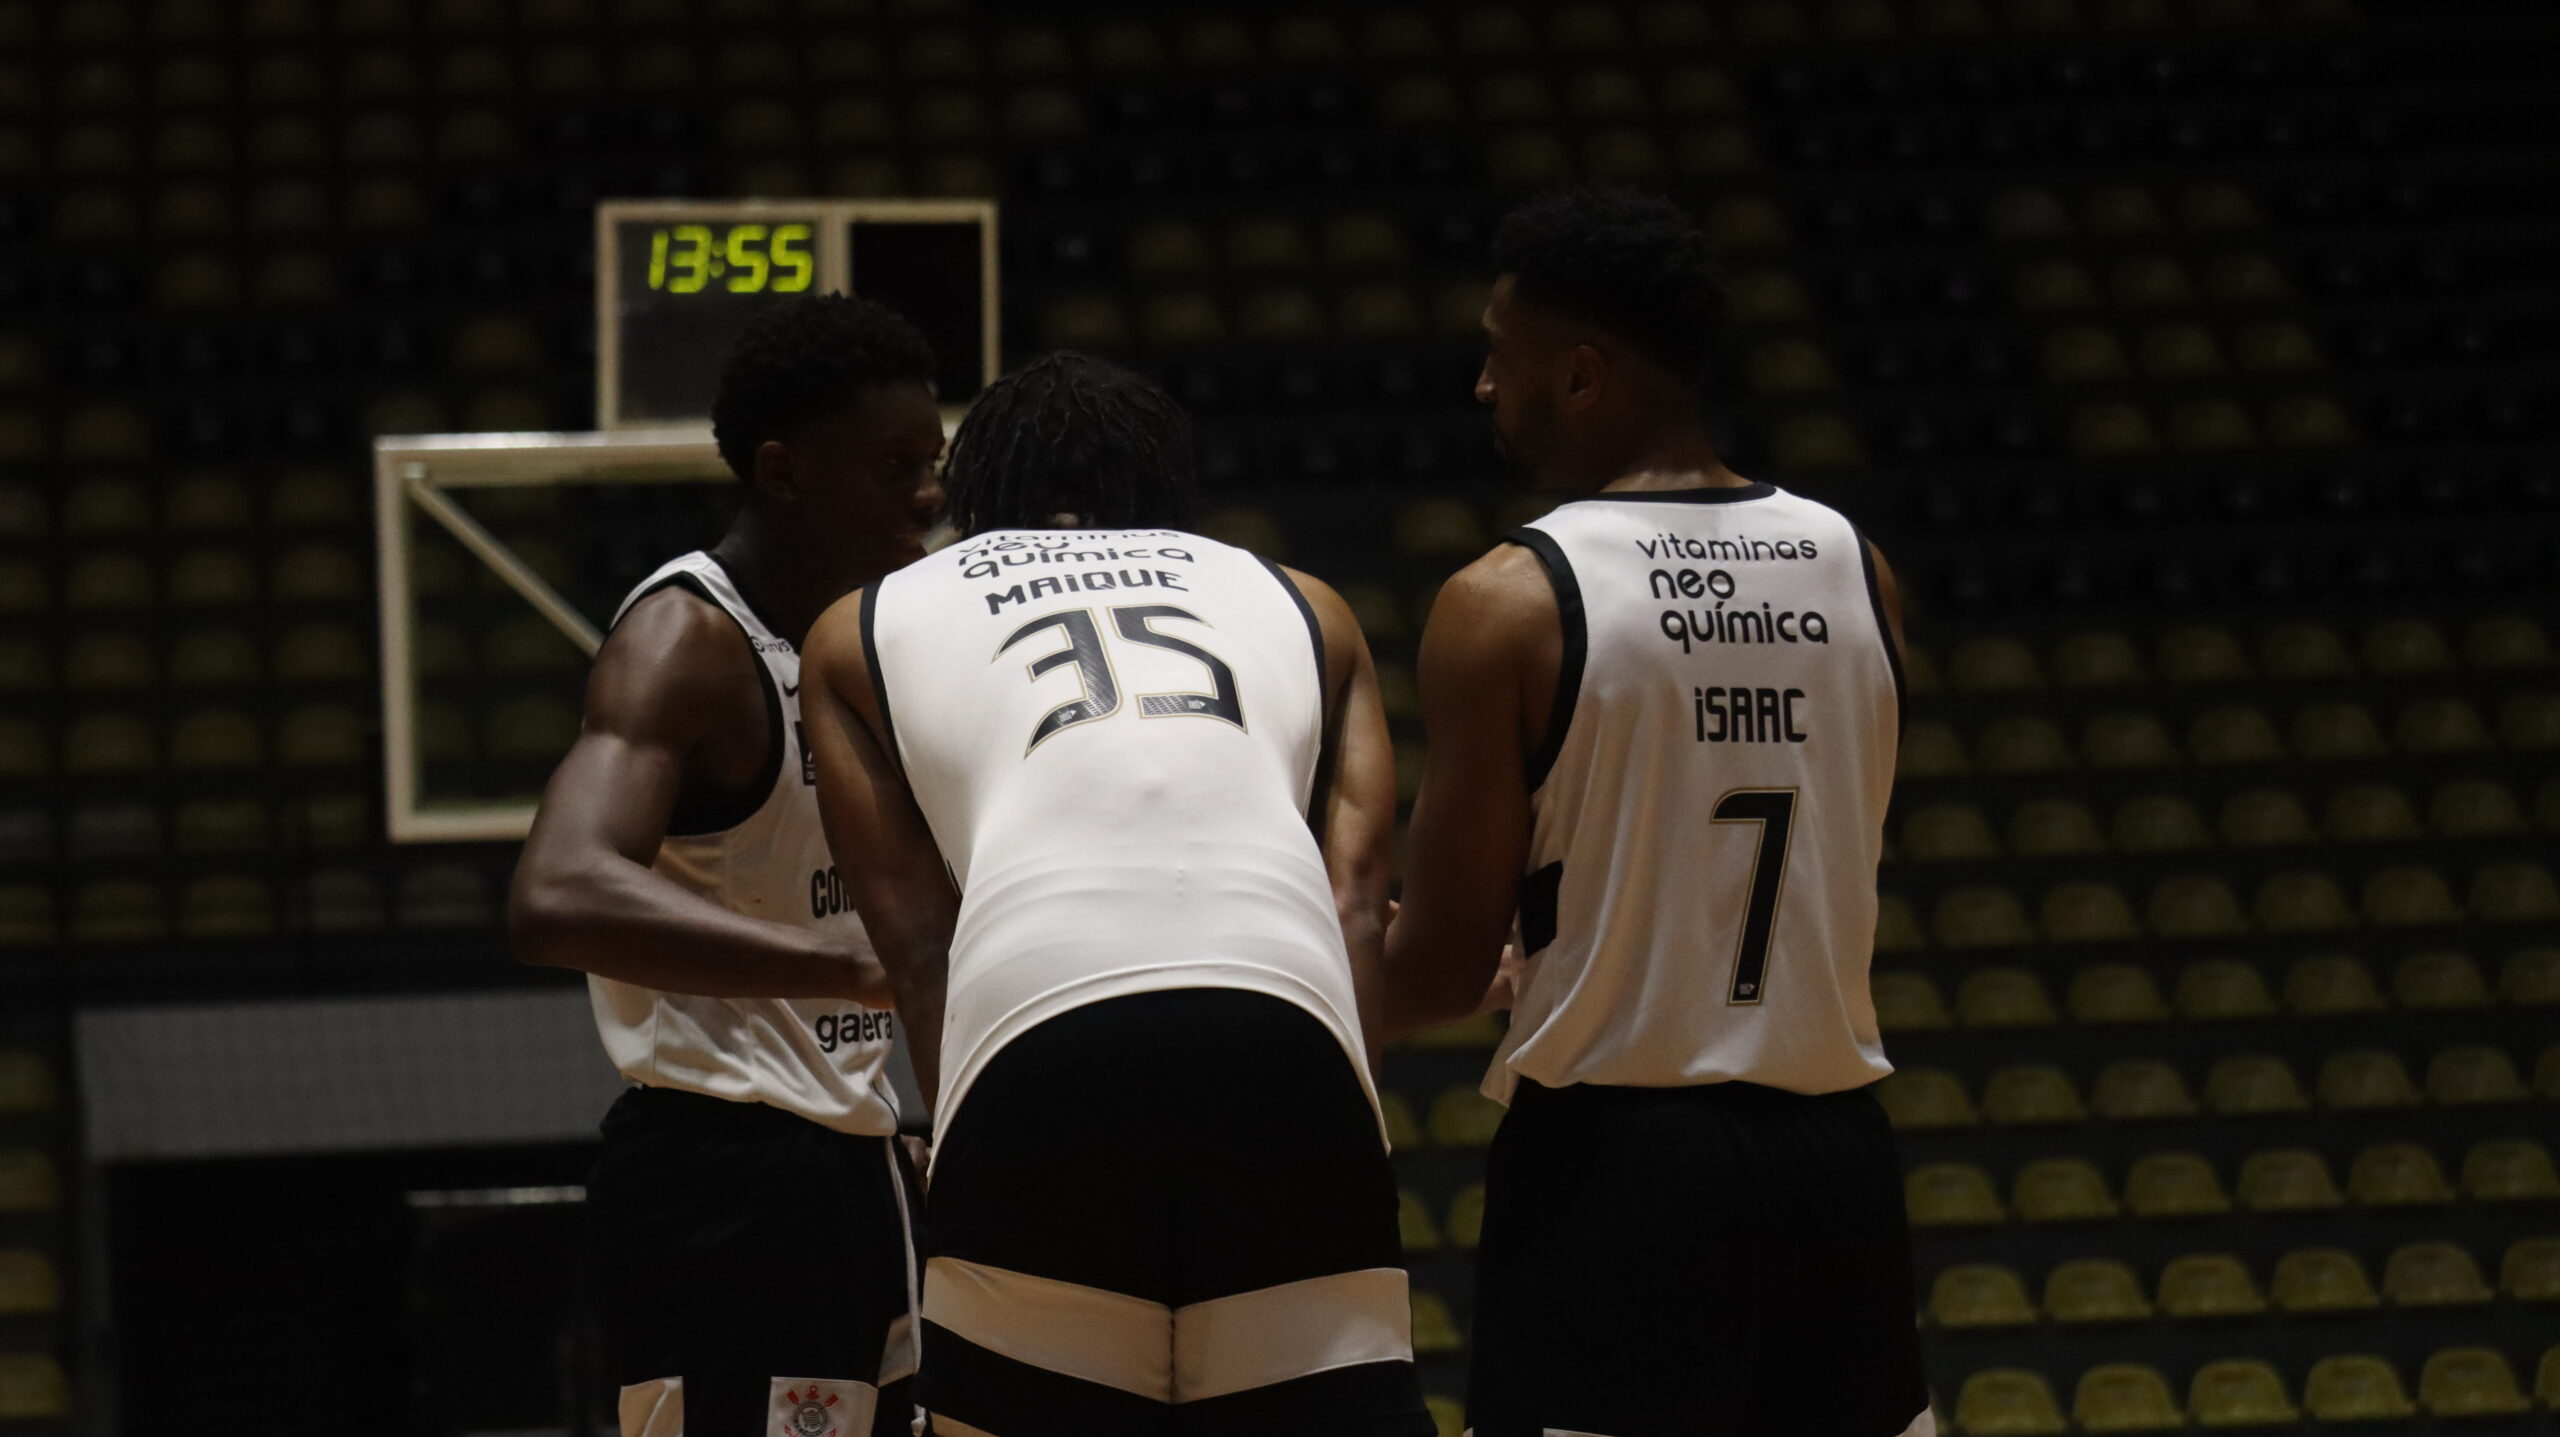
x=2194, y=360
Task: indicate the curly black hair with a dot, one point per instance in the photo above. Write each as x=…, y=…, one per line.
x=1072, y=434
x=1634, y=264
x=807, y=355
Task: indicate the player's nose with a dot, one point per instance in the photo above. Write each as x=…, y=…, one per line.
x=1484, y=385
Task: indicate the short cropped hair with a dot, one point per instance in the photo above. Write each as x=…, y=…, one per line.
x=809, y=355
x=1635, y=264
x=1072, y=434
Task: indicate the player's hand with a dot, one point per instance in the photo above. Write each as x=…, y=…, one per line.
x=919, y=1155
x=1510, y=976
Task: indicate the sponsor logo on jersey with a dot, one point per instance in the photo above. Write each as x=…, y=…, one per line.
x=808, y=760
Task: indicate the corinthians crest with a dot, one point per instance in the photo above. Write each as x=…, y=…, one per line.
x=808, y=1414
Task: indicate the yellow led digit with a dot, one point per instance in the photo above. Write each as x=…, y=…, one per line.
x=747, y=267
x=657, y=259
x=692, y=258
x=791, y=260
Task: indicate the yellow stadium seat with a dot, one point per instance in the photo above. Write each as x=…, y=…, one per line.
x=1948, y=832
x=2531, y=1270
x=2439, y=981
x=2546, y=1073
x=2303, y=651
x=2128, y=740
x=2240, y=734
x=2531, y=978
x=1439, y=527
x=1931, y=749
x=2223, y=989
x=2364, y=1080
x=33, y=1387
x=2199, y=654
x=2323, y=1280
x=2061, y=1190
x=2052, y=286
x=2287, y=1180
x=2530, y=721
x=2473, y=1074
x=2159, y=823
x=2172, y=1185
x=1462, y=1117
x=28, y=1181
x=2515, y=891
x=2371, y=813
x=2021, y=744
x=1448, y=1415
x=2266, y=818
x=2139, y=1088
x=2506, y=641
x=2356, y=1388
x=2476, y=808
x=2509, y=1170
x=2124, y=1397
x=2195, y=906
x=2247, y=1085
x=118, y=910
x=2054, y=827
x=2084, y=354
x=2005, y=998
x=2433, y=1274
x=28, y=1283
x=2441, y=725
x=2463, y=1382
x=27, y=1083
x=1414, y=1227
x=2546, y=1384
x=2331, y=985
x=2406, y=646
x=2087, y=1290
x=1949, y=1194
x=2008, y=1402
x=2087, y=911
x=1434, y=1330
x=2407, y=896
x=1897, y=928
x=1980, y=917
x=226, y=907
x=1917, y=1098
x=322, y=736
x=2032, y=1093
x=2302, y=902
x=25, y=749
x=26, y=915
x=2098, y=659
x=2337, y=732
x=1979, y=1296
x=1994, y=666
x=1402, y=1131
x=2240, y=1392
x=2397, y=1175
x=1466, y=1217
x=2115, y=993
x=212, y=578
x=1909, y=1003
x=2202, y=1286
x=107, y=662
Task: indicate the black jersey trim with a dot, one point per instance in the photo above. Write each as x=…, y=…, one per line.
x=1715, y=494
x=1541, y=896
x=879, y=680
x=1577, y=646
x=712, y=822
x=1321, y=782
x=1884, y=628
x=1306, y=611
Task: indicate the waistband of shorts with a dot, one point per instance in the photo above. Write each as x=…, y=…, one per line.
x=644, y=1106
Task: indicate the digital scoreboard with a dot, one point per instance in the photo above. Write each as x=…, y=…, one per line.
x=676, y=280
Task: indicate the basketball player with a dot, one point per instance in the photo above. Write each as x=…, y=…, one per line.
x=1662, y=727
x=1158, y=770
x=749, y=1206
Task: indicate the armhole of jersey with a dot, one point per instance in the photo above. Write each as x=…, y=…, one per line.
x=1577, y=643
x=1322, y=777
x=879, y=680
x=1884, y=627
x=705, y=825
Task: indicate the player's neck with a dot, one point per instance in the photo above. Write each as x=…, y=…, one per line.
x=784, y=580
x=1679, y=457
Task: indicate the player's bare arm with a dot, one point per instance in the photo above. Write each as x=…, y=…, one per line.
x=893, y=870
x=673, y=713
x=1889, y=598
x=1487, y=675
x=1355, y=797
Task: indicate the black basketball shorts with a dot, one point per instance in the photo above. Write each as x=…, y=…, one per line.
x=1167, y=1215
x=1724, y=1260
x=753, y=1271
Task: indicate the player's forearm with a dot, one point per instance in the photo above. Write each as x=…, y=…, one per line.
x=1425, y=978
x=917, y=977
x=618, y=920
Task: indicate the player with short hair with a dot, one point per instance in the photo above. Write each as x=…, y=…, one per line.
x=749, y=1208
x=1114, y=801
x=1663, y=722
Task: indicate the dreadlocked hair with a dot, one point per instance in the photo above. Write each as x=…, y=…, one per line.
x=807, y=356
x=1069, y=434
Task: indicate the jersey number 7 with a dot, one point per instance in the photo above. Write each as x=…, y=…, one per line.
x=1774, y=809
x=1092, y=661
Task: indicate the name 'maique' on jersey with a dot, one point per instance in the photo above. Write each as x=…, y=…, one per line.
x=1113, y=735
x=1700, y=904
x=822, y=1058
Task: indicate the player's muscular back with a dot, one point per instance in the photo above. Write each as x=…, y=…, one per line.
x=676, y=671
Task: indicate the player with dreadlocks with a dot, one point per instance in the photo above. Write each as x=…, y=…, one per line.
x=678, y=862
x=1157, y=768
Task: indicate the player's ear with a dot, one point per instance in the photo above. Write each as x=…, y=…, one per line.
x=1585, y=370
x=775, y=473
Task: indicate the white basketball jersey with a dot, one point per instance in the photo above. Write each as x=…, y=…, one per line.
x=1114, y=735
x=819, y=1057
x=1700, y=905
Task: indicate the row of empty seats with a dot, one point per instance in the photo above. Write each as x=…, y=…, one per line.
x=103, y=504
x=2208, y=654
x=2232, y=736
x=2178, y=1185
x=1949, y=832
x=298, y=653
x=209, y=740
x=2454, y=1383
x=2214, y=990
x=2200, y=1287
x=2134, y=1089
x=105, y=828
x=2202, y=906
x=332, y=902
x=200, y=578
